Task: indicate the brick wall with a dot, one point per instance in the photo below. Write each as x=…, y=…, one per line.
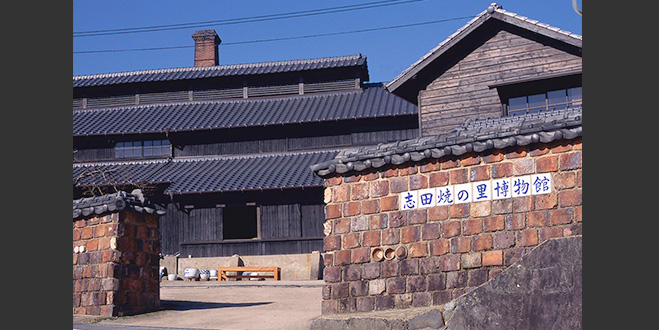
x=452, y=248
x=115, y=264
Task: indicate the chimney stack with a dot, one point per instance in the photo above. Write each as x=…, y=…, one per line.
x=205, y=48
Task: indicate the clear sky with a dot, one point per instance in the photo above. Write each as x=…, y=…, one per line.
x=388, y=51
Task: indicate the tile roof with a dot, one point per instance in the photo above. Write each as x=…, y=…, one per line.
x=218, y=71
x=212, y=174
x=494, y=11
x=477, y=135
x=370, y=102
x=118, y=201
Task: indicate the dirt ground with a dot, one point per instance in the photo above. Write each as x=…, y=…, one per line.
x=233, y=305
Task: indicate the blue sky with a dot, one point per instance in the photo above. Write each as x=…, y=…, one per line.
x=388, y=51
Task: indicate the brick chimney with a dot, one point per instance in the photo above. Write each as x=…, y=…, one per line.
x=205, y=48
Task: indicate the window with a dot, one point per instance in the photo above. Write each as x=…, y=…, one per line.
x=240, y=222
x=137, y=149
x=555, y=99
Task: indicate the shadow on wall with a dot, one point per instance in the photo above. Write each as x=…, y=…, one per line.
x=185, y=305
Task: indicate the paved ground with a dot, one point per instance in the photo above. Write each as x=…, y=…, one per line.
x=230, y=305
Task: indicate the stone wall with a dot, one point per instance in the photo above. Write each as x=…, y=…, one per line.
x=451, y=248
x=115, y=264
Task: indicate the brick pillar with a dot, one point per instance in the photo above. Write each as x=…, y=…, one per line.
x=205, y=50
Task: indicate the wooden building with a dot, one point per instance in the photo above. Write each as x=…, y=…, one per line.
x=226, y=149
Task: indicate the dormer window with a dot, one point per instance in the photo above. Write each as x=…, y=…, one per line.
x=556, y=99
x=142, y=149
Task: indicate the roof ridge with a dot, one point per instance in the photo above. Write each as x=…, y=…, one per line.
x=217, y=67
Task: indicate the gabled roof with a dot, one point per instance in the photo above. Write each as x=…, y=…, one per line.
x=210, y=174
x=477, y=136
x=493, y=12
x=219, y=71
x=371, y=102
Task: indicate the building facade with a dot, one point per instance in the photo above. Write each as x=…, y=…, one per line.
x=226, y=149
x=496, y=171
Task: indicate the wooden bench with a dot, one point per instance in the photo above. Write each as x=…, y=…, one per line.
x=222, y=275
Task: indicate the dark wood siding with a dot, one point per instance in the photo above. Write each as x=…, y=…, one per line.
x=460, y=90
x=291, y=221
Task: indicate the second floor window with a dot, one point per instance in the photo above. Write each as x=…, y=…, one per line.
x=556, y=99
x=139, y=149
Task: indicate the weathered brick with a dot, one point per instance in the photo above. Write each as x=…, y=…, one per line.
x=377, y=221
x=359, y=191
x=470, y=260
x=333, y=211
x=482, y=242
x=379, y=188
x=569, y=197
x=439, y=246
x=389, y=203
x=515, y=152
x=502, y=170
x=419, y=249
x=547, y=164
x=493, y=156
x=480, y=209
x=458, y=176
x=438, y=179
x=441, y=297
x=397, y=219
x=87, y=232
x=370, y=206
x=417, y=216
x=560, y=146
x=332, y=242
x=359, y=223
x=352, y=178
x=560, y=216
x=409, y=267
x=370, y=175
x=371, y=270
x=450, y=229
x=396, y=285
x=522, y=204
x=479, y=173
x=352, y=272
x=502, y=206
x=389, y=268
x=351, y=208
x=360, y=255
x=377, y=286
x=546, y=201
x=409, y=234
x=456, y=279
x=565, y=180
x=371, y=238
x=512, y=255
x=365, y=304
x=329, y=307
x=399, y=184
x=470, y=158
x=349, y=241
x=459, y=210
x=570, y=161
x=428, y=265
x=494, y=223
x=340, y=193
x=472, y=226
x=549, y=232
x=429, y=166
x=537, y=219
x=460, y=244
x=527, y=237
x=436, y=281
x=342, y=257
x=430, y=231
x=492, y=258
x=418, y=181
x=416, y=283
x=340, y=290
x=450, y=162
x=421, y=299
x=341, y=226
x=523, y=166
x=476, y=277
x=390, y=236
x=438, y=213
x=383, y=302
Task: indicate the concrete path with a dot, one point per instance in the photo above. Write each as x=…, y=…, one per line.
x=231, y=305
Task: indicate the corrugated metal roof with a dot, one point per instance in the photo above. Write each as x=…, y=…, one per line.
x=211, y=174
x=217, y=71
x=479, y=135
x=370, y=102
